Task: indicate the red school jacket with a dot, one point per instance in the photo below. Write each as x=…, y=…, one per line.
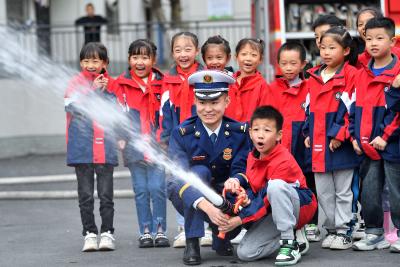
x=290, y=101
x=246, y=96
x=326, y=121
x=279, y=164
x=142, y=103
x=177, y=101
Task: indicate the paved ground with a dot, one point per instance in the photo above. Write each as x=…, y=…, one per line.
x=47, y=232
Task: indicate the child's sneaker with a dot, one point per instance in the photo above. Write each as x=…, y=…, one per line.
x=161, y=240
x=239, y=237
x=107, y=242
x=371, y=242
x=289, y=253
x=302, y=240
x=206, y=240
x=146, y=241
x=90, y=242
x=359, y=232
x=395, y=247
x=327, y=242
x=180, y=239
x=312, y=233
x=342, y=241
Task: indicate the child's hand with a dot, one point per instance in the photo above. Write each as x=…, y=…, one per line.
x=396, y=82
x=233, y=222
x=307, y=142
x=246, y=200
x=232, y=185
x=334, y=144
x=100, y=82
x=357, y=148
x=378, y=143
x=121, y=144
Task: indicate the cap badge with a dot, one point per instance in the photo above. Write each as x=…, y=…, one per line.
x=207, y=79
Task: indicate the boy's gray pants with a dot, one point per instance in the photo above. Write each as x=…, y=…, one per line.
x=262, y=239
x=335, y=198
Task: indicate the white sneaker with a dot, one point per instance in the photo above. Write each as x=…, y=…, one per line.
x=301, y=238
x=239, y=237
x=359, y=231
x=180, y=239
x=90, y=242
x=395, y=247
x=107, y=242
x=206, y=240
x=327, y=242
x=312, y=233
x=371, y=242
x=342, y=241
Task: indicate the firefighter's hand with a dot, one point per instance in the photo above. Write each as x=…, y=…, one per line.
x=307, y=142
x=216, y=215
x=334, y=144
x=232, y=185
x=233, y=223
x=396, y=82
x=378, y=143
x=356, y=147
x=122, y=144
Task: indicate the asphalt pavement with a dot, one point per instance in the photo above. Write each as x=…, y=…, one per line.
x=48, y=232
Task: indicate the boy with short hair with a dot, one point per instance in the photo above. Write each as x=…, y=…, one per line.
x=375, y=132
x=274, y=184
x=288, y=95
x=324, y=23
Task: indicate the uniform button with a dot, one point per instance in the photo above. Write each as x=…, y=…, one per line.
x=213, y=166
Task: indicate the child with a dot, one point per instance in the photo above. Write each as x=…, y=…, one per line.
x=139, y=91
x=215, y=148
x=90, y=148
x=216, y=54
x=274, y=184
x=177, y=95
x=322, y=24
x=362, y=18
x=288, y=95
x=375, y=133
x=333, y=160
x=250, y=89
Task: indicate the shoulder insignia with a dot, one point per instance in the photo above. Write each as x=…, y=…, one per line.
x=186, y=129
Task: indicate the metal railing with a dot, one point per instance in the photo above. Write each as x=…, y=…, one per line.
x=62, y=43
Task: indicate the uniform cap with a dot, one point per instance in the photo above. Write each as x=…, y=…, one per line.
x=210, y=84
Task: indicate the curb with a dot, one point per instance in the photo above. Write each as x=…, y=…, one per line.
x=51, y=178
x=62, y=194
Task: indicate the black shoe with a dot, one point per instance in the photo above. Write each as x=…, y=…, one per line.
x=191, y=256
x=161, y=240
x=146, y=241
x=227, y=250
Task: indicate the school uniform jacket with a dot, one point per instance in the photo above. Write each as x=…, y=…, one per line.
x=325, y=120
x=177, y=101
x=369, y=115
x=246, y=96
x=190, y=145
x=290, y=101
x=278, y=164
x=87, y=140
x=141, y=102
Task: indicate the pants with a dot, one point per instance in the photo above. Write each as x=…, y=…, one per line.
x=85, y=176
x=262, y=238
x=335, y=198
x=373, y=174
x=148, y=183
x=310, y=179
